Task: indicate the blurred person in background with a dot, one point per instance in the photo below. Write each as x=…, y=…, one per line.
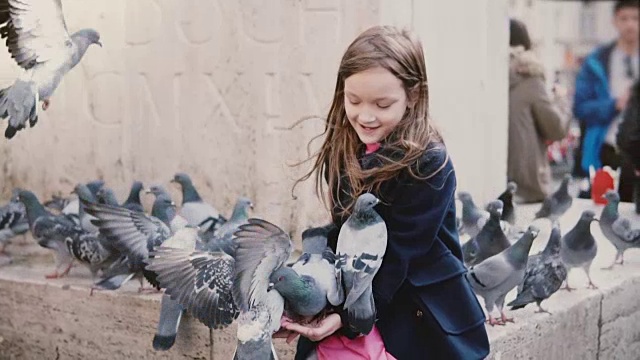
x=533, y=119
x=628, y=140
x=603, y=88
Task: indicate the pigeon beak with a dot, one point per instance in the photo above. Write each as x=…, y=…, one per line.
x=596, y=219
x=148, y=191
x=270, y=287
x=99, y=43
x=73, y=191
x=173, y=204
x=251, y=206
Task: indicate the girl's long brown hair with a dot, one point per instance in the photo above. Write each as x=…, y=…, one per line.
x=400, y=52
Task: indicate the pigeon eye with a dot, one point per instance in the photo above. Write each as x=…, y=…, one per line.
x=281, y=278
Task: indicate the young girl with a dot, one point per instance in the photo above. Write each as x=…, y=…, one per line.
x=379, y=139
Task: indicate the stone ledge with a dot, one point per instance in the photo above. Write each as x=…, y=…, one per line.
x=50, y=319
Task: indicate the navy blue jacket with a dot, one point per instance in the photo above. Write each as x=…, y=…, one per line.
x=594, y=105
x=425, y=306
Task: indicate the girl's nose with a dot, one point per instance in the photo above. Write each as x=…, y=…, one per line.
x=366, y=117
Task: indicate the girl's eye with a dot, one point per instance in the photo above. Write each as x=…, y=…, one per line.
x=354, y=102
x=383, y=106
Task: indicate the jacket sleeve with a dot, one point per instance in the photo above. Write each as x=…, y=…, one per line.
x=587, y=106
x=551, y=124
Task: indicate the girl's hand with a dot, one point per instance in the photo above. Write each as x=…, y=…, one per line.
x=317, y=331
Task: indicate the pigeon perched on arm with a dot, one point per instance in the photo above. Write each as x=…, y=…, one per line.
x=491, y=239
x=13, y=221
x=38, y=41
x=50, y=231
x=617, y=229
x=544, y=275
x=362, y=243
x=496, y=276
x=194, y=209
x=578, y=247
x=508, y=207
x=556, y=204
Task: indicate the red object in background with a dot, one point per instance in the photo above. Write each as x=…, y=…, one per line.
x=601, y=183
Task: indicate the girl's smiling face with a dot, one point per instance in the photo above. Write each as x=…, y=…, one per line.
x=375, y=101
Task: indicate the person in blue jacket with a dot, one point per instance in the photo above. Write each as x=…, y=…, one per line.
x=379, y=139
x=603, y=87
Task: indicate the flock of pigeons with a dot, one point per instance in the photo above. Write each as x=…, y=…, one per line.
x=497, y=255
x=219, y=270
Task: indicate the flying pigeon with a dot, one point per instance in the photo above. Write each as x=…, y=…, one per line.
x=508, y=207
x=13, y=221
x=50, y=231
x=496, y=276
x=135, y=234
x=617, y=229
x=556, y=204
x=39, y=42
x=490, y=241
x=578, y=246
x=362, y=243
x=544, y=275
x=194, y=209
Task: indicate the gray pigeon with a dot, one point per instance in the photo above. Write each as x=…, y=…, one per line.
x=544, y=276
x=315, y=265
x=201, y=281
x=490, y=241
x=473, y=218
x=57, y=203
x=508, y=207
x=135, y=235
x=171, y=310
x=83, y=193
x=222, y=238
x=106, y=196
x=13, y=221
x=73, y=207
x=38, y=40
x=493, y=278
x=617, y=229
x=578, y=246
x=556, y=204
x=133, y=200
x=362, y=243
x=50, y=231
x=194, y=209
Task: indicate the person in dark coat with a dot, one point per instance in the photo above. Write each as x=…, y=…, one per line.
x=628, y=141
x=379, y=139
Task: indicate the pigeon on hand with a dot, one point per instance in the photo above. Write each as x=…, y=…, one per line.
x=222, y=238
x=315, y=269
x=493, y=278
x=508, y=207
x=194, y=209
x=50, y=231
x=134, y=234
x=362, y=243
x=490, y=241
x=13, y=221
x=544, y=275
x=617, y=229
x=556, y=204
x=578, y=247
x=38, y=41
